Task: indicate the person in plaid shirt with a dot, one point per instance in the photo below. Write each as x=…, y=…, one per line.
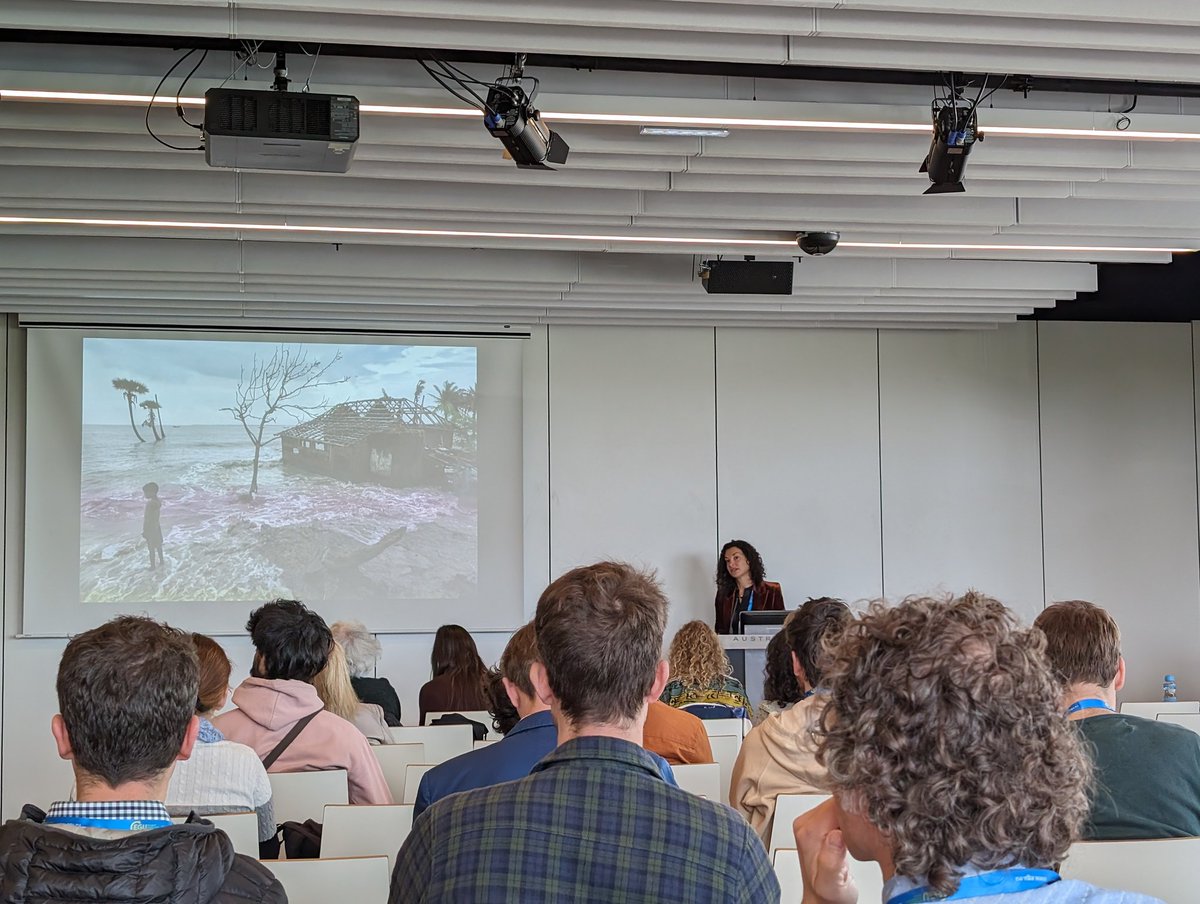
x=594, y=821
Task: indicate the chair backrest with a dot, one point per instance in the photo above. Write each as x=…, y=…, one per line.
x=478, y=744
x=413, y=773
x=1185, y=720
x=1164, y=868
x=482, y=716
x=359, y=879
x=787, y=808
x=366, y=831
x=866, y=876
x=703, y=779
x=1150, y=710
x=303, y=795
x=442, y=742
x=725, y=752
x=242, y=829
x=394, y=760
x=733, y=727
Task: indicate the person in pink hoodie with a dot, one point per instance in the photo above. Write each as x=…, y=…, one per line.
x=292, y=644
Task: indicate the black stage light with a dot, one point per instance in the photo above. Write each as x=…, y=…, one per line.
x=511, y=117
x=955, y=131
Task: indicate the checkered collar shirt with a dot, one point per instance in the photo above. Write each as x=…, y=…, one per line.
x=130, y=815
x=593, y=823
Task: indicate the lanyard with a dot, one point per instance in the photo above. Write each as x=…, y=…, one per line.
x=750, y=602
x=1090, y=703
x=119, y=825
x=997, y=882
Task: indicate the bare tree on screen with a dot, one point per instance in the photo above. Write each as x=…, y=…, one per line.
x=131, y=389
x=270, y=389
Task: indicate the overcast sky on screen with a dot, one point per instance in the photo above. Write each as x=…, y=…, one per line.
x=195, y=379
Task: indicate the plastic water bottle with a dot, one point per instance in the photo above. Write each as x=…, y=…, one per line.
x=1169, y=695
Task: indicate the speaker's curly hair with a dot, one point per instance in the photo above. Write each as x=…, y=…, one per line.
x=945, y=730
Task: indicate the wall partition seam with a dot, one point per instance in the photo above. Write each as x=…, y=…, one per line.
x=549, y=464
x=716, y=442
x=1196, y=444
x=1037, y=365
x=883, y=592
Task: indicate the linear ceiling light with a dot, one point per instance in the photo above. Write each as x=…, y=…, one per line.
x=706, y=241
x=640, y=119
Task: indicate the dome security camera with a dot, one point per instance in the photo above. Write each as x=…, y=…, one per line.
x=817, y=243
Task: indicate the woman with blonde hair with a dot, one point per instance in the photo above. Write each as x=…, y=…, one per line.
x=700, y=671
x=337, y=693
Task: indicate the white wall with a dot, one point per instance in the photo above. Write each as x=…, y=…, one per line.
x=859, y=463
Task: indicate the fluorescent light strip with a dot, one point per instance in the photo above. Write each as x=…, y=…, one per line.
x=716, y=122
x=712, y=241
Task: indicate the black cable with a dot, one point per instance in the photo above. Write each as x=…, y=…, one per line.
x=313, y=68
x=473, y=101
x=466, y=79
x=153, y=97
x=179, y=91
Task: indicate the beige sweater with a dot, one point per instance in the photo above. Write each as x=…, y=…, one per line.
x=777, y=757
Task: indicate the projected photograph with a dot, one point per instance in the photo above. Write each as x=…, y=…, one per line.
x=242, y=471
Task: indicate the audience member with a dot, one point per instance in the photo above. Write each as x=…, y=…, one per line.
x=675, y=735
x=127, y=696
x=949, y=760
x=362, y=652
x=594, y=821
x=337, y=693
x=1147, y=772
x=700, y=671
x=292, y=644
x=781, y=690
x=504, y=714
x=220, y=776
x=520, y=749
x=457, y=682
x=779, y=756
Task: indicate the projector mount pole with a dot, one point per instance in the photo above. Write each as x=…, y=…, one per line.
x=281, y=80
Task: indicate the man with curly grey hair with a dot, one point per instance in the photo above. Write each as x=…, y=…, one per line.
x=950, y=762
x=362, y=649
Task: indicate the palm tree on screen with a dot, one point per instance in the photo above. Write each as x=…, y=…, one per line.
x=152, y=407
x=446, y=398
x=131, y=389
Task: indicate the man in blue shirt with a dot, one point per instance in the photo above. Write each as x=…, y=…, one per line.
x=511, y=758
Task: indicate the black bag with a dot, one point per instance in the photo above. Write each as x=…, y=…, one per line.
x=305, y=836
x=478, y=729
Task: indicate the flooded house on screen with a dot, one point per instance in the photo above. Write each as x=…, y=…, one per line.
x=393, y=442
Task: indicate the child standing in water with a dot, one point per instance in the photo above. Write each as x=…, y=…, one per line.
x=151, y=528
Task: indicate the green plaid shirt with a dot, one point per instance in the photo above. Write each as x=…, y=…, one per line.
x=593, y=822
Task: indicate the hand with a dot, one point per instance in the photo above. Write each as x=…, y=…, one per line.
x=824, y=861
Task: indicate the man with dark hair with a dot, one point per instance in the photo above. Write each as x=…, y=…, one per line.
x=1147, y=772
x=594, y=821
x=948, y=760
x=291, y=645
x=528, y=741
x=127, y=703
x=779, y=756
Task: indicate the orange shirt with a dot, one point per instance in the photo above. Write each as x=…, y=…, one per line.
x=675, y=735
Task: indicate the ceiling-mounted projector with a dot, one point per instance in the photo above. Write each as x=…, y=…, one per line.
x=280, y=130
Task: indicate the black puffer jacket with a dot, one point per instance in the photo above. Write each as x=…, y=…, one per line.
x=193, y=863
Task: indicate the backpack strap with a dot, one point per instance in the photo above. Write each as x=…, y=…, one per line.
x=283, y=745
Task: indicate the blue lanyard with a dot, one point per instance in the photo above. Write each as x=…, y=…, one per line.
x=750, y=603
x=997, y=882
x=119, y=825
x=1090, y=703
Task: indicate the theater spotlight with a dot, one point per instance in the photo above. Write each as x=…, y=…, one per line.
x=955, y=131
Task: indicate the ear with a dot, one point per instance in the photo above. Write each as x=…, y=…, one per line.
x=1119, y=680
x=62, y=740
x=189, y=738
x=541, y=683
x=662, y=674
x=513, y=693
x=798, y=671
